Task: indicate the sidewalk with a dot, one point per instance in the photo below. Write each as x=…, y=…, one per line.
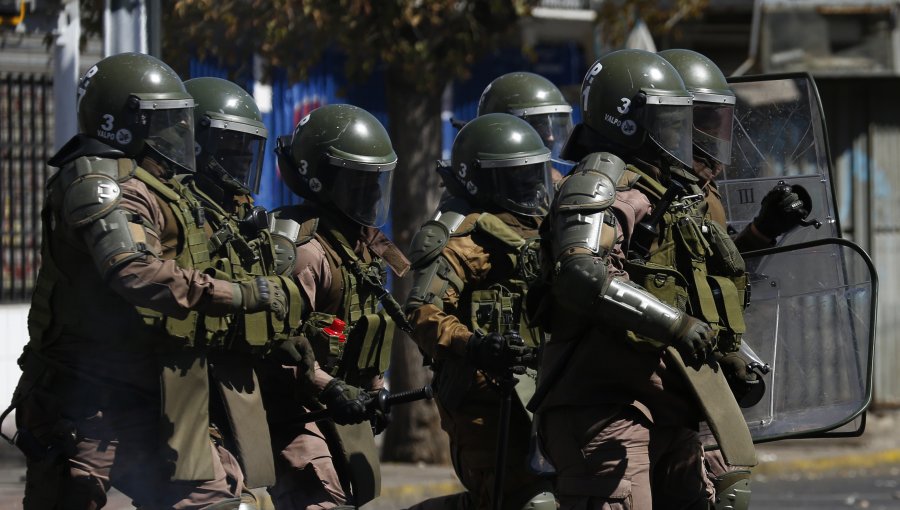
x=406, y=484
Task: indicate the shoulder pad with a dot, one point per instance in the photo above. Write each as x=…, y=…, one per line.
x=428, y=242
x=496, y=228
x=592, y=184
x=450, y=219
x=292, y=224
x=92, y=192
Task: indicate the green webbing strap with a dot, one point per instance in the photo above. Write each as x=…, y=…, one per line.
x=295, y=302
x=690, y=237
x=387, y=300
x=731, y=304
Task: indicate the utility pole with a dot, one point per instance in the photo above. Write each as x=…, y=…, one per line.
x=65, y=72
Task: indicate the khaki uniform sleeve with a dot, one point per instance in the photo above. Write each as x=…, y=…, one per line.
x=436, y=329
x=312, y=271
x=630, y=208
x=159, y=284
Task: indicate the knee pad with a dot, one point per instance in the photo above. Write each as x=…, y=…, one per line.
x=732, y=491
x=227, y=504
x=543, y=501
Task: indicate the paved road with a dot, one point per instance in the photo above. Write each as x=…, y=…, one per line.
x=873, y=489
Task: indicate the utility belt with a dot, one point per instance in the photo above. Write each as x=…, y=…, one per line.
x=356, y=352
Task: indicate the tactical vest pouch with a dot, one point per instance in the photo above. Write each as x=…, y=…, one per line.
x=689, y=235
x=327, y=348
x=666, y=284
x=498, y=309
x=726, y=258
x=182, y=329
x=368, y=348
x=729, y=302
x=494, y=310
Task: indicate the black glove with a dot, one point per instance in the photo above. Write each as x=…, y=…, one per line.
x=348, y=404
x=741, y=379
x=496, y=353
x=296, y=351
x=780, y=211
x=694, y=339
x=259, y=295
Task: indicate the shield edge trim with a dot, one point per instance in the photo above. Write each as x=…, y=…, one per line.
x=870, y=365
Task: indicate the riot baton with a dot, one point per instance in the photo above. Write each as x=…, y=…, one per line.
x=505, y=383
x=506, y=390
x=383, y=402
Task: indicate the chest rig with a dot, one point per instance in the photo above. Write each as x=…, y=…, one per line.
x=353, y=327
x=500, y=307
x=237, y=254
x=693, y=264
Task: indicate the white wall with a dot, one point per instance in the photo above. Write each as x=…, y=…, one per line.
x=14, y=328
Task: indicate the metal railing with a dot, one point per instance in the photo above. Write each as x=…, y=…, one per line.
x=26, y=142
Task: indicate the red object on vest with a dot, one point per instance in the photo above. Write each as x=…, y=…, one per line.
x=336, y=329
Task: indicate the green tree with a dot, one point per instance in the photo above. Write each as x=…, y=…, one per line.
x=422, y=45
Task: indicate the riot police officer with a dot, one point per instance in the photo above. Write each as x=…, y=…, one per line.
x=340, y=160
x=113, y=390
x=781, y=209
x=230, y=140
x=628, y=372
x=536, y=100
x=473, y=264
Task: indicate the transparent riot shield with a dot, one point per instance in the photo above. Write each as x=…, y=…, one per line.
x=811, y=317
x=779, y=135
x=812, y=320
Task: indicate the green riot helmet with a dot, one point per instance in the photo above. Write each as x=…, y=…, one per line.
x=713, y=107
x=500, y=160
x=536, y=100
x=137, y=104
x=633, y=101
x=341, y=156
x=229, y=132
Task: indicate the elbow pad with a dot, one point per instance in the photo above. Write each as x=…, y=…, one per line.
x=92, y=203
x=635, y=309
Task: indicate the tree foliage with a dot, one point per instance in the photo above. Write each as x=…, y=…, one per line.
x=430, y=42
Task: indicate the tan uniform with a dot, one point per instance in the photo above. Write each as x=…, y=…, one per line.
x=468, y=403
x=89, y=401
x=307, y=474
x=618, y=422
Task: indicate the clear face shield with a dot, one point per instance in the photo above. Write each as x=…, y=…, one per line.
x=525, y=189
x=712, y=137
x=668, y=122
x=239, y=153
x=170, y=133
x=362, y=192
x=554, y=129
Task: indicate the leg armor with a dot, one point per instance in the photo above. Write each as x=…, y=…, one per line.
x=732, y=491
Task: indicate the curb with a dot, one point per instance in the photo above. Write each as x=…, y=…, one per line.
x=422, y=490
x=826, y=464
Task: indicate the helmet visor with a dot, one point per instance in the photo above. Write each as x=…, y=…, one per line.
x=554, y=129
x=171, y=134
x=525, y=190
x=712, y=130
x=363, y=195
x=669, y=126
x=239, y=153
